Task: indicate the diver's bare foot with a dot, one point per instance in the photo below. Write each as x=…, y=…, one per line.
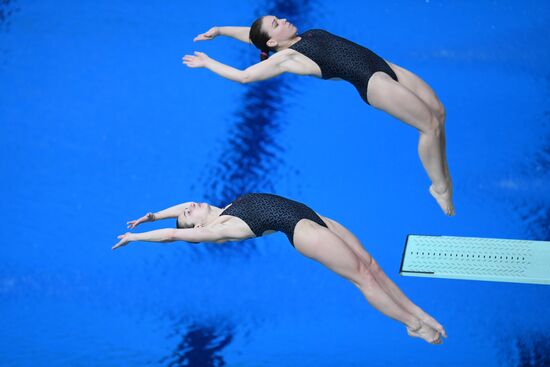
x=431, y=322
x=426, y=333
x=444, y=199
x=421, y=315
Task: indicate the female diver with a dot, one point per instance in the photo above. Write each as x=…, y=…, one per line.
x=383, y=85
x=314, y=236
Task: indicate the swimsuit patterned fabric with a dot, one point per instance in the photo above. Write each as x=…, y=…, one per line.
x=338, y=57
x=268, y=212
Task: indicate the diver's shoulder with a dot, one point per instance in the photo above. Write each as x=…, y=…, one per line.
x=315, y=30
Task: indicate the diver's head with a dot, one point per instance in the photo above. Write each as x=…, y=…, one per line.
x=269, y=34
x=194, y=215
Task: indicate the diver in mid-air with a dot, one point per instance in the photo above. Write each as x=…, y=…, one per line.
x=382, y=84
x=319, y=238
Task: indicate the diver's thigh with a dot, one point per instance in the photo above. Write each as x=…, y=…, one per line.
x=414, y=83
x=395, y=99
x=324, y=246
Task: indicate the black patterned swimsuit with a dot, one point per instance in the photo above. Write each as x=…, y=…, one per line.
x=268, y=212
x=338, y=57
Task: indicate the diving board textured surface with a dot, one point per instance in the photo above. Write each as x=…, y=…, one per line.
x=472, y=258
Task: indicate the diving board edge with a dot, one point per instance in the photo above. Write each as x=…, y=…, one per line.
x=528, y=260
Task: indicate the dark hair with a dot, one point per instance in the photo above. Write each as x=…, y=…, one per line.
x=181, y=225
x=259, y=38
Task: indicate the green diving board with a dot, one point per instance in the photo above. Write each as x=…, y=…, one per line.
x=472, y=258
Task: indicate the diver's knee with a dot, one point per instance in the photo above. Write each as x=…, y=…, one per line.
x=369, y=262
x=441, y=113
x=373, y=266
x=365, y=277
x=433, y=127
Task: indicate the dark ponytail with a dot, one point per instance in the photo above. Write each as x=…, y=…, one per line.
x=259, y=39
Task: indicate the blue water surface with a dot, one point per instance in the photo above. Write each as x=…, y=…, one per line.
x=101, y=123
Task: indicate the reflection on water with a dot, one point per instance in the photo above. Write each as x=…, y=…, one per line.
x=533, y=351
x=7, y=8
x=201, y=345
x=530, y=350
x=251, y=157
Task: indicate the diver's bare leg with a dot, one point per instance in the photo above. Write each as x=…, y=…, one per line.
x=325, y=247
x=387, y=95
x=391, y=288
x=418, y=86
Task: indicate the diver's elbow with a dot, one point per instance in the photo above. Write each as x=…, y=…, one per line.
x=171, y=236
x=245, y=78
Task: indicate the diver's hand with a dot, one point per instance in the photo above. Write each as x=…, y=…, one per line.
x=149, y=217
x=199, y=60
x=124, y=240
x=134, y=223
x=208, y=35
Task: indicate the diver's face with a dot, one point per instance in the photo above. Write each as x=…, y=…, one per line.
x=194, y=214
x=279, y=30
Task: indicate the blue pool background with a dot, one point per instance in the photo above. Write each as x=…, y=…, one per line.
x=100, y=123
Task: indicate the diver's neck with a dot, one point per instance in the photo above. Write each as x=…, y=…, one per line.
x=214, y=213
x=289, y=43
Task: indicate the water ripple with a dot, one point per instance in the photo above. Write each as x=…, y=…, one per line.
x=7, y=8
x=201, y=345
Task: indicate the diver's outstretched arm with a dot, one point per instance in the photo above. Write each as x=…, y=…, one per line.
x=171, y=212
x=266, y=69
x=217, y=233
x=238, y=33
x=192, y=235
